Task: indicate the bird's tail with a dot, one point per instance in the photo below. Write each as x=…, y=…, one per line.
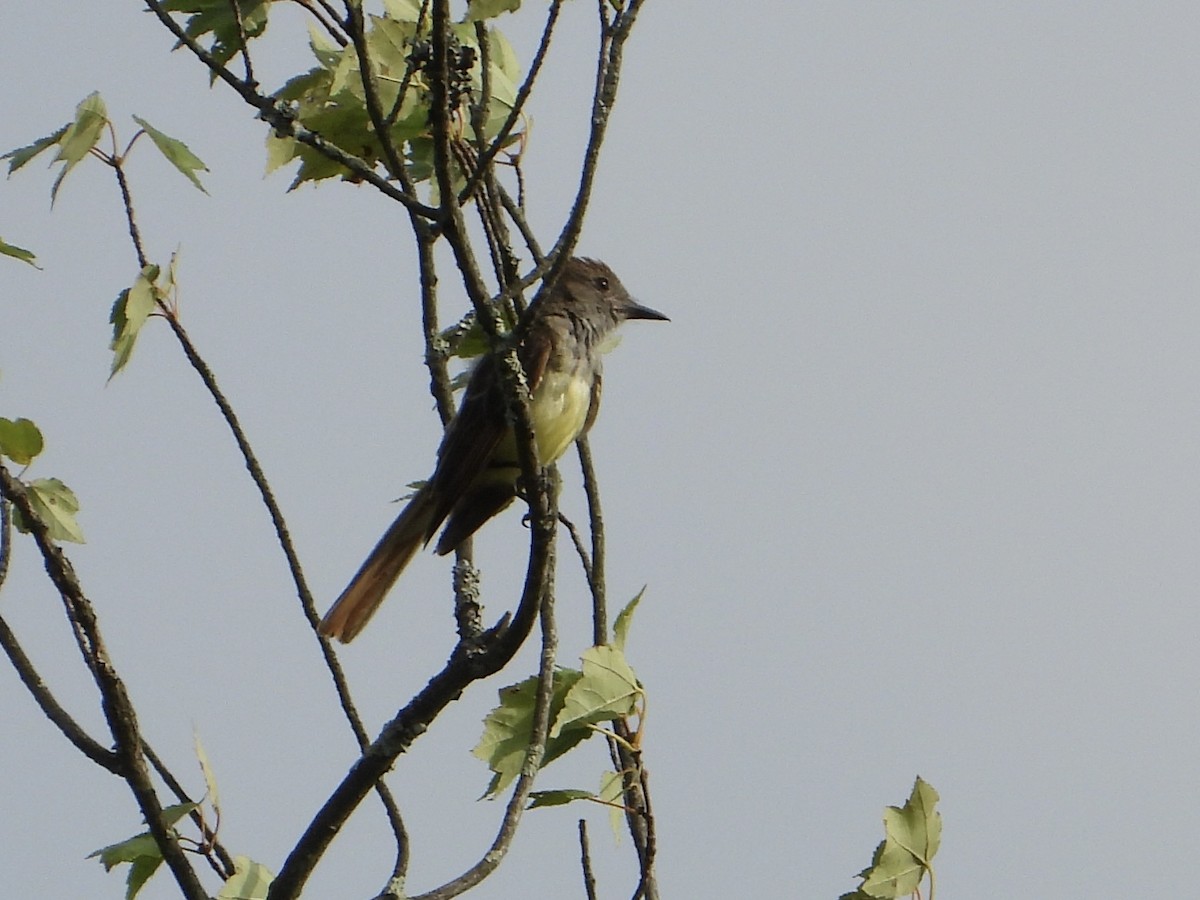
x=358, y=602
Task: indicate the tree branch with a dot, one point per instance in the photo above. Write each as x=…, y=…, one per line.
x=608, y=75
x=72, y=730
x=585, y=860
x=117, y=707
x=595, y=572
x=280, y=116
x=533, y=759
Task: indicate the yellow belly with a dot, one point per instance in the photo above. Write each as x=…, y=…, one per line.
x=559, y=410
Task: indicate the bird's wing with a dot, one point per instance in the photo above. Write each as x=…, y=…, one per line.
x=480, y=426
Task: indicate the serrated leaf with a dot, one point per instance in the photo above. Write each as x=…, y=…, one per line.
x=26, y=256
x=508, y=728
x=250, y=881
x=140, y=852
x=140, y=844
x=56, y=506
x=325, y=50
x=478, y=10
x=913, y=835
x=624, y=620
x=557, y=798
x=20, y=440
x=176, y=152
x=216, y=17
x=607, y=690
x=80, y=137
x=129, y=313
x=19, y=157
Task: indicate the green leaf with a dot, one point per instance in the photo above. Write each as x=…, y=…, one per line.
x=20, y=156
x=18, y=253
x=612, y=792
x=20, y=440
x=140, y=852
x=913, y=835
x=557, y=798
x=404, y=10
x=55, y=505
x=624, y=620
x=477, y=10
x=216, y=18
x=508, y=728
x=129, y=313
x=505, y=77
x=80, y=137
x=176, y=152
x=608, y=690
x=250, y=881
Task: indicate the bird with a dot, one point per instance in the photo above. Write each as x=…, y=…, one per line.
x=559, y=342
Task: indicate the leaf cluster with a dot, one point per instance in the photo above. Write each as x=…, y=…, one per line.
x=331, y=98
x=54, y=503
x=604, y=689
x=79, y=138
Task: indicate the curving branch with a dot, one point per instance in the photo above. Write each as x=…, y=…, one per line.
x=117, y=707
x=613, y=34
x=595, y=568
x=258, y=476
x=467, y=664
x=71, y=730
x=533, y=759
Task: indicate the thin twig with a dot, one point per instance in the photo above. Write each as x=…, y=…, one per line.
x=410, y=68
x=591, y=487
x=236, y=6
x=258, y=476
x=325, y=14
x=585, y=559
x=466, y=665
x=501, y=138
x=127, y=202
x=585, y=859
x=608, y=74
x=223, y=864
x=72, y=730
x=358, y=36
x=518, y=217
x=5, y=540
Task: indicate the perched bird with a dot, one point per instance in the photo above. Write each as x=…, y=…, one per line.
x=559, y=344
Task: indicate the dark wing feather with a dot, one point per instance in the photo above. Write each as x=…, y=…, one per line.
x=481, y=424
x=534, y=354
x=470, y=441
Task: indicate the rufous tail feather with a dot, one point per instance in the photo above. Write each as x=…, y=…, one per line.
x=358, y=602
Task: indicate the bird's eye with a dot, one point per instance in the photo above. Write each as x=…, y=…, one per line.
x=602, y=282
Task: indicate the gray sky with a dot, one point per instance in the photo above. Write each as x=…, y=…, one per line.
x=911, y=476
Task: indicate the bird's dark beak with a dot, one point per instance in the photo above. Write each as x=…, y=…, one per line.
x=635, y=310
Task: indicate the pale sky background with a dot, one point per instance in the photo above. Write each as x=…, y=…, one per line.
x=912, y=475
